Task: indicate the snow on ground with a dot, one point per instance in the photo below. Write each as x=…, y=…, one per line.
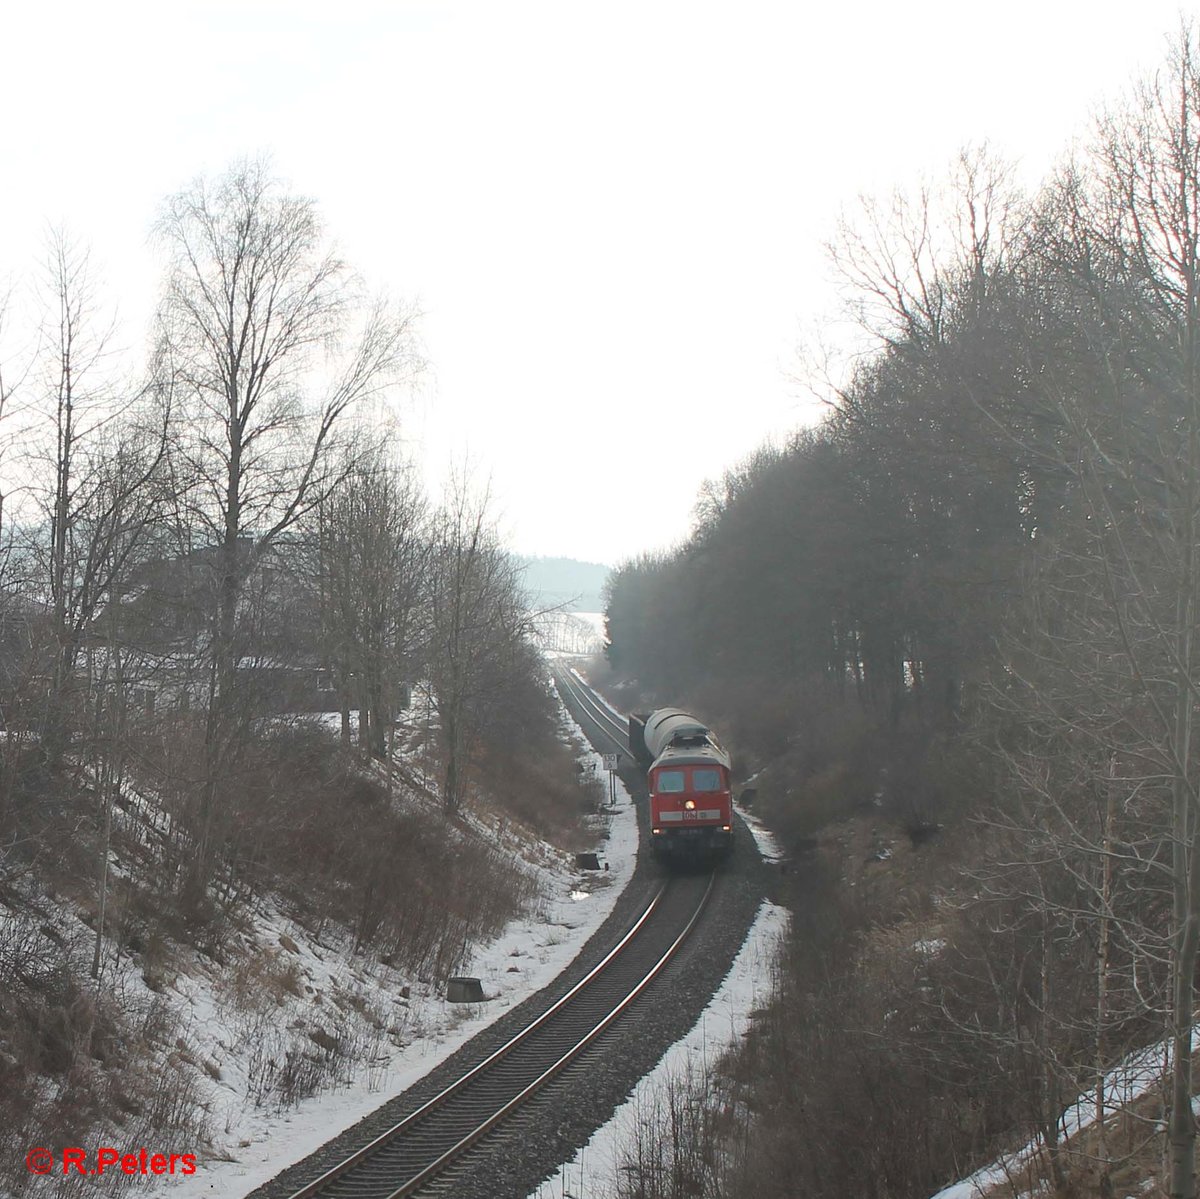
x=768, y=846
x=592, y=1173
x=1124, y=1083
x=532, y=951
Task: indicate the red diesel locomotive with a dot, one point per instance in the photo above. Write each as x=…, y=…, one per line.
x=691, y=803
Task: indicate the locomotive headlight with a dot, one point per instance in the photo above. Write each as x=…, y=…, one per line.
x=690, y=804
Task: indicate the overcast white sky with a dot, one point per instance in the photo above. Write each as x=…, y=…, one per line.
x=612, y=214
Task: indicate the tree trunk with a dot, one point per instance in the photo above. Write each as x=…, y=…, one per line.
x=450, y=788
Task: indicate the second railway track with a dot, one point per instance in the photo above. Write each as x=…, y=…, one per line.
x=596, y=715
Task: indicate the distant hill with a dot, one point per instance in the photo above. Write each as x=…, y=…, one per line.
x=578, y=586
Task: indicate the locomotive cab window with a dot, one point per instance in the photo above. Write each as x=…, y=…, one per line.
x=706, y=780
x=670, y=780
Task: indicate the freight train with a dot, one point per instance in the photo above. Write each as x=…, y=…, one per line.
x=691, y=804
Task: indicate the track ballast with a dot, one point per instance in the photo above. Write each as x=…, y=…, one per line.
x=505, y=1151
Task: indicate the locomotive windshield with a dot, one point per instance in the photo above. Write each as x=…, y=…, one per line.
x=706, y=780
x=670, y=780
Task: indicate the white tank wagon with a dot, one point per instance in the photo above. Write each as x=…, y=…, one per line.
x=671, y=726
x=650, y=734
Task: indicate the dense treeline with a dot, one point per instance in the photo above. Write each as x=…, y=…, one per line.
x=868, y=559
x=972, y=592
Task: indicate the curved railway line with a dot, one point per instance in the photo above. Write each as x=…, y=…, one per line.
x=597, y=714
x=416, y=1152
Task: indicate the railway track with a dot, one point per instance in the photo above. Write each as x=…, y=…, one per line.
x=597, y=716
x=420, y=1150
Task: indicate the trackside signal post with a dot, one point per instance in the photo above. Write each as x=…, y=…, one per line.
x=612, y=763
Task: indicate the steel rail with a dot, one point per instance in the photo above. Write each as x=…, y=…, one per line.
x=441, y=1163
x=546, y=1056
x=342, y=1167
x=597, y=702
x=597, y=712
x=597, y=705
x=341, y=1175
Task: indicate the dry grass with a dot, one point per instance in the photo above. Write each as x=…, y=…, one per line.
x=260, y=981
x=546, y=792
x=81, y=1064
x=1126, y=1161
x=686, y=1142
x=298, y=820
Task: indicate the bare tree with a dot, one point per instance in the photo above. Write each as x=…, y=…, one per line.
x=11, y=377
x=913, y=260
x=1107, y=666
x=107, y=442
x=374, y=550
x=1143, y=476
x=478, y=620
x=267, y=340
